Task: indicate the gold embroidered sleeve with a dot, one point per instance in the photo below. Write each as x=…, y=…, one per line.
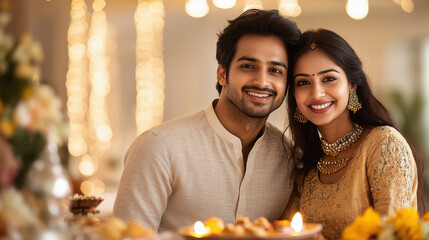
x=392, y=175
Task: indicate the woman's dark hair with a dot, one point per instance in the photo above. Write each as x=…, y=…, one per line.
x=306, y=142
x=254, y=21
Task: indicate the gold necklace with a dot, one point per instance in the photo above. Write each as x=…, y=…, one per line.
x=330, y=167
x=333, y=149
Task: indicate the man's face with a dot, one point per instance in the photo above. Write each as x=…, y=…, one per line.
x=257, y=75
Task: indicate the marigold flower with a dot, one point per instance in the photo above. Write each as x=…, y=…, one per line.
x=366, y=226
x=407, y=224
x=26, y=93
x=7, y=128
x=426, y=217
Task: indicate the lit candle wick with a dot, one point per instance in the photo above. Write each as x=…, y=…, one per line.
x=296, y=223
x=200, y=230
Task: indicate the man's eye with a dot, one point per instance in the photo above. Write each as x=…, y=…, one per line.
x=247, y=66
x=276, y=70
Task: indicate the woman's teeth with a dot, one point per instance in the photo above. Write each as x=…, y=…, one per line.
x=320, y=107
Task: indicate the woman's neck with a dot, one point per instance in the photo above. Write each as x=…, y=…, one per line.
x=334, y=131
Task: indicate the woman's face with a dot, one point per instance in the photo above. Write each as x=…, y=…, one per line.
x=321, y=89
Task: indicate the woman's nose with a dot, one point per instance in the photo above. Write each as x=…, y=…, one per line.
x=317, y=91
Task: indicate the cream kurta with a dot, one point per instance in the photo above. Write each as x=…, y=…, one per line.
x=382, y=174
x=192, y=168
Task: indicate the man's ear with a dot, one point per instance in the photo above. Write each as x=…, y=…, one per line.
x=221, y=75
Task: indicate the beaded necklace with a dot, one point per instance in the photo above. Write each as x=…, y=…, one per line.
x=330, y=167
x=333, y=149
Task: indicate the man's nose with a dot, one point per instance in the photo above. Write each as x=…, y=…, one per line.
x=261, y=79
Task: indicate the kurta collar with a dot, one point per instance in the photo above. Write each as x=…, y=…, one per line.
x=220, y=129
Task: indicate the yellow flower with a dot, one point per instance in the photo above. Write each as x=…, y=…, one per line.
x=365, y=226
x=426, y=217
x=7, y=127
x=407, y=224
x=26, y=93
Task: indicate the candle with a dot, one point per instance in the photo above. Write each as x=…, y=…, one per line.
x=200, y=230
x=297, y=224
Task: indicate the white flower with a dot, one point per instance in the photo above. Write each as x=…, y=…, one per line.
x=425, y=229
x=15, y=210
x=28, y=51
x=25, y=70
x=388, y=232
x=6, y=44
x=4, y=18
x=22, y=115
x=41, y=112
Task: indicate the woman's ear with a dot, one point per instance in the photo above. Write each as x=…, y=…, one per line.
x=221, y=75
x=353, y=87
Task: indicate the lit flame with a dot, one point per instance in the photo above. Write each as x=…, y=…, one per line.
x=200, y=230
x=296, y=223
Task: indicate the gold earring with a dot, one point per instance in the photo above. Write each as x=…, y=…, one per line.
x=299, y=117
x=354, y=104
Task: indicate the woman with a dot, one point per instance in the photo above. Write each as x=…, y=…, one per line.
x=350, y=154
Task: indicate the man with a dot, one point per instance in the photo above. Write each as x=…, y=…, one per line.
x=226, y=161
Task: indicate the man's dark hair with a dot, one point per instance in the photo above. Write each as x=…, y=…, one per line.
x=254, y=21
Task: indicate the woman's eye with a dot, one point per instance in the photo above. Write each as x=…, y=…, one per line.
x=330, y=79
x=301, y=83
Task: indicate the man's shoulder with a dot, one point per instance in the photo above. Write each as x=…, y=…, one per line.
x=181, y=124
x=170, y=132
x=273, y=131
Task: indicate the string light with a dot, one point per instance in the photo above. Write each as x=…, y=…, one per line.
x=224, y=4
x=252, y=4
x=76, y=79
x=149, y=21
x=357, y=9
x=100, y=130
x=88, y=85
x=289, y=8
x=197, y=8
x=407, y=6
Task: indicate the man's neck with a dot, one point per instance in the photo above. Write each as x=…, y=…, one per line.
x=246, y=128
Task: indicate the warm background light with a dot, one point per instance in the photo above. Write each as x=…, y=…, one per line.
x=357, y=9
x=76, y=79
x=252, y=4
x=407, y=6
x=197, y=8
x=224, y=4
x=149, y=21
x=289, y=8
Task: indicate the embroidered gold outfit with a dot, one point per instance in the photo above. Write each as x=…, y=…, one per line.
x=382, y=174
